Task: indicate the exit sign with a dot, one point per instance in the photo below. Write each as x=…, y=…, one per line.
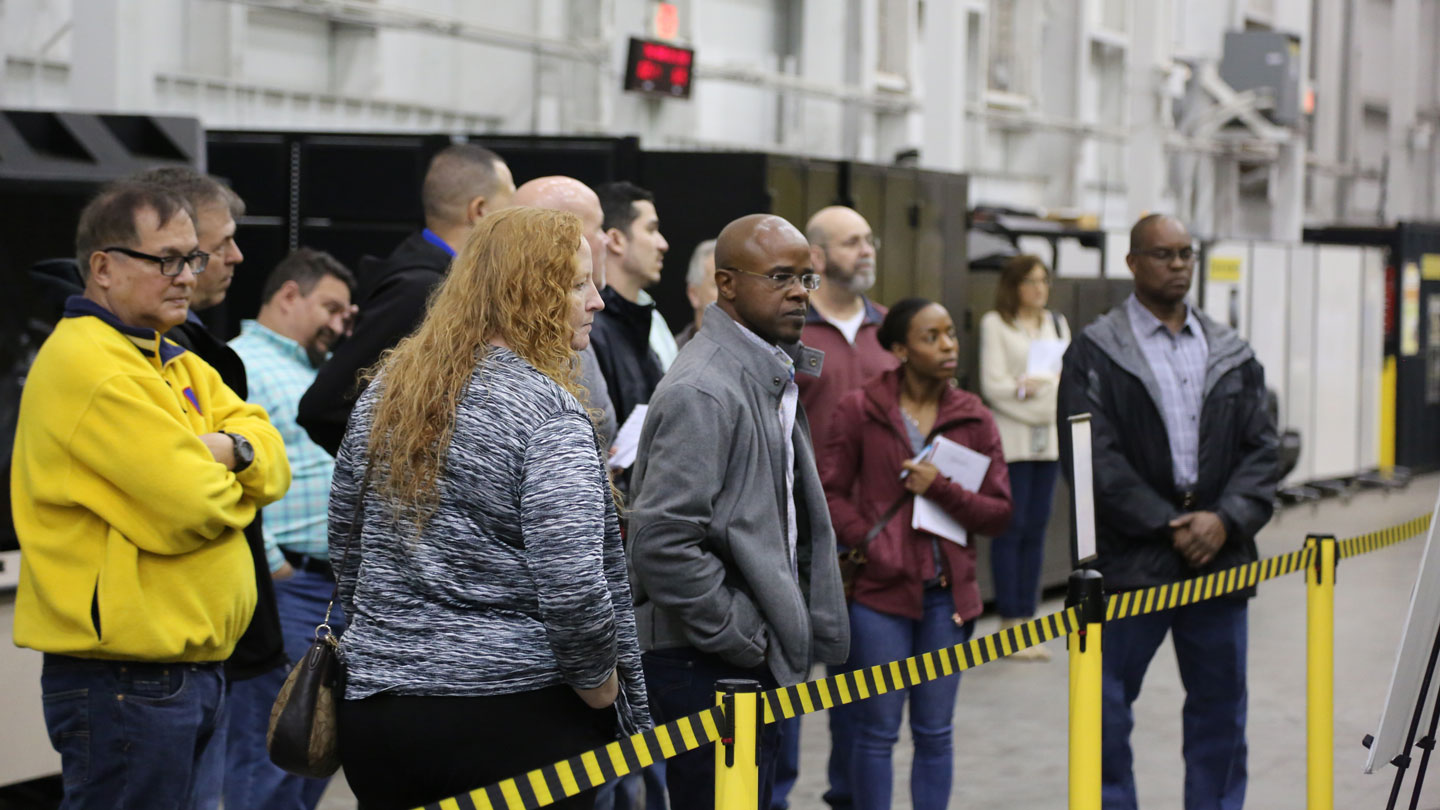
x=659, y=68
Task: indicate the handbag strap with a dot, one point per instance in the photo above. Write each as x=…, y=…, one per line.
x=884, y=520
x=355, y=520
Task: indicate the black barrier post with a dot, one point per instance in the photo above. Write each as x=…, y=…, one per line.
x=1086, y=592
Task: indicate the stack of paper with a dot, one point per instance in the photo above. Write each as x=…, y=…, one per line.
x=961, y=465
x=627, y=439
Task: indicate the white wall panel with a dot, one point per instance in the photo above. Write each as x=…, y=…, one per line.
x=1372, y=349
x=1299, y=406
x=1338, y=348
x=1267, y=315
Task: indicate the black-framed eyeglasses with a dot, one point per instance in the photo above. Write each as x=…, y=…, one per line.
x=781, y=281
x=1167, y=255
x=170, y=266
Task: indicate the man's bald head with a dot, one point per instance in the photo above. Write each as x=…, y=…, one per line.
x=561, y=193
x=763, y=245
x=463, y=183
x=826, y=223
x=746, y=243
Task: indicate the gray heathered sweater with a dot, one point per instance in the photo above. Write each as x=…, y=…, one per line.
x=517, y=582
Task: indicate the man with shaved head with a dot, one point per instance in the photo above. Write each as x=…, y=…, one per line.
x=1185, y=465
x=464, y=183
x=568, y=194
x=733, y=555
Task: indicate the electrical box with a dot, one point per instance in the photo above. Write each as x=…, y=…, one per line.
x=1268, y=61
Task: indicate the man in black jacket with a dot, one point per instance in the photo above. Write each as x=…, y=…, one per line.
x=1184, y=455
x=463, y=183
x=629, y=336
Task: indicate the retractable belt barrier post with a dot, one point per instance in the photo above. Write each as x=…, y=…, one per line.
x=737, y=752
x=1087, y=596
x=738, y=715
x=1320, y=674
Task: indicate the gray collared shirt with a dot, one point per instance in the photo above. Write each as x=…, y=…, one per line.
x=1178, y=362
x=789, y=403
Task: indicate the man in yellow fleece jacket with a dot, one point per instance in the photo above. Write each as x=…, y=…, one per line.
x=135, y=471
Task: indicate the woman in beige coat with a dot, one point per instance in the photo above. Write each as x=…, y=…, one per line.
x=1021, y=343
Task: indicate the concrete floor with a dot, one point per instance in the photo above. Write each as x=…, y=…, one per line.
x=1010, y=741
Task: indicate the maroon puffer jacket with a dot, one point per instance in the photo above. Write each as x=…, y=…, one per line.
x=860, y=469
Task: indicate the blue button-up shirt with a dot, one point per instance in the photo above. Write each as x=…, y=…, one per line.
x=1178, y=362
x=279, y=372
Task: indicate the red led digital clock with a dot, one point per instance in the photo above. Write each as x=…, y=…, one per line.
x=659, y=68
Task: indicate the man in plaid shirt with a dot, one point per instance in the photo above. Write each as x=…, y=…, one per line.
x=306, y=307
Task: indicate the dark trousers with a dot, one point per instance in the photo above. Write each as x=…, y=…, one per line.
x=681, y=682
x=1210, y=647
x=133, y=734
x=402, y=751
x=1016, y=555
x=787, y=763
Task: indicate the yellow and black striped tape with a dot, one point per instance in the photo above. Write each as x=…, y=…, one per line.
x=546, y=785
x=848, y=687
x=1384, y=538
x=1188, y=592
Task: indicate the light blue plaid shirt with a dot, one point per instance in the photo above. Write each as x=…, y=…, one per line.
x=279, y=372
x=1178, y=363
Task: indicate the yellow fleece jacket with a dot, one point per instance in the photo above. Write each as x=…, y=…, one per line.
x=130, y=531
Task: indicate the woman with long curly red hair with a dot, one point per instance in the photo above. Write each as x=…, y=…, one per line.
x=491, y=628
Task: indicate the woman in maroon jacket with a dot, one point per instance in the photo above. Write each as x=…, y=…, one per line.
x=917, y=591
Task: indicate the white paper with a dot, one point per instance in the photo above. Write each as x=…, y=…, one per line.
x=1046, y=357
x=961, y=465
x=627, y=439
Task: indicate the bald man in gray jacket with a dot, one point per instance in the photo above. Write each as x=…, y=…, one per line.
x=731, y=549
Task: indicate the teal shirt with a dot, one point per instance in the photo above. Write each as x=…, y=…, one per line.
x=279, y=373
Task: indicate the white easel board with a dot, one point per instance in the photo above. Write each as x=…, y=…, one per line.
x=1421, y=626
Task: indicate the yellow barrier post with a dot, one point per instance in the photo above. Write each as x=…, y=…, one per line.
x=1087, y=593
x=737, y=752
x=1320, y=674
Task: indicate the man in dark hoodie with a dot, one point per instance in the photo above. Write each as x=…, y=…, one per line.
x=1184, y=455
x=464, y=183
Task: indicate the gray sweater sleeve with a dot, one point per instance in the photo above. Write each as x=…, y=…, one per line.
x=562, y=521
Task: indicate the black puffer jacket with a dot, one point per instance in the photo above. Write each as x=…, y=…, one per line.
x=621, y=337
x=392, y=299
x=1106, y=375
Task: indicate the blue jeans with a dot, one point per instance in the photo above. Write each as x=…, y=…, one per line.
x=1016, y=555
x=135, y=734
x=1210, y=646
x=251, y=779
x=878, y=638
x=842, y=746
x=681, y=681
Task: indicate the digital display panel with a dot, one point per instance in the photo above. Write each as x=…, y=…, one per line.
x=659, y=68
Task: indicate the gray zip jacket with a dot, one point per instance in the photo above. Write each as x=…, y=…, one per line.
x=708, y=554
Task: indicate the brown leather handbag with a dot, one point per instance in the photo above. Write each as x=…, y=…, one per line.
x=303, y=737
